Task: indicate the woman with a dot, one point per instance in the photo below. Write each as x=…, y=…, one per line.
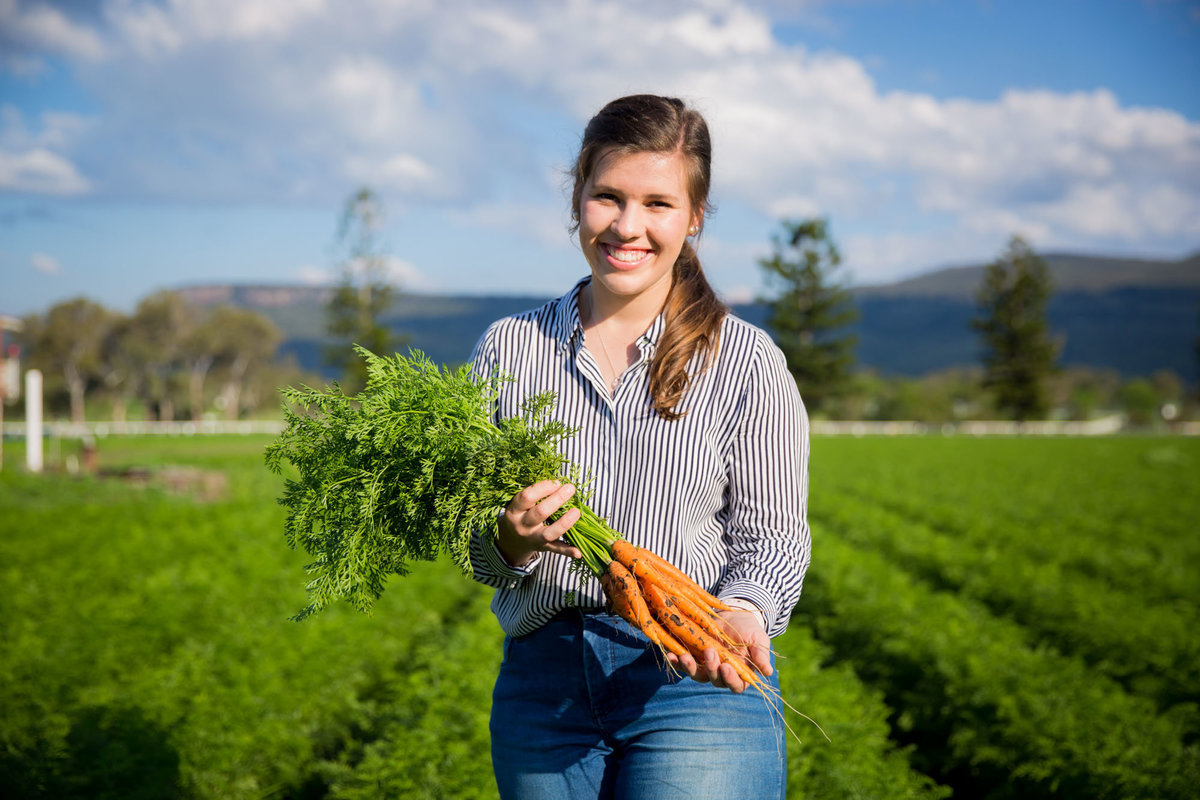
x=694, y=441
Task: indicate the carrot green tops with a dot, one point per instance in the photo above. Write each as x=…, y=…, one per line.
x=721, y=493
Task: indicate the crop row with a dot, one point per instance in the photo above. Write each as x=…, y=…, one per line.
x=1120, y=511
x=990, y=713
x=1151, y=648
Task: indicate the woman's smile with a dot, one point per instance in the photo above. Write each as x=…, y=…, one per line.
x=626, y=257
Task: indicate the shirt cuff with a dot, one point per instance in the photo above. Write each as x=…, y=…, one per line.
x=495, y=563
x=750, y=592
x=746, y=605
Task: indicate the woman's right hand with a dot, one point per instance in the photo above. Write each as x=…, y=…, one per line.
x=523, y=528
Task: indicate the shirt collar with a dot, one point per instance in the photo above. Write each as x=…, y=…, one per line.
x=568, y=327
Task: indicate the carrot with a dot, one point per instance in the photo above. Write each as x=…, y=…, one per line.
x=626, y=598
x=683, y=634
x=624, y=595
x=693, y=637
x=628, y=554
x=647, y=573
x=706, y=619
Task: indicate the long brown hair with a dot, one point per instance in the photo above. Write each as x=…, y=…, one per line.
x=647, y=123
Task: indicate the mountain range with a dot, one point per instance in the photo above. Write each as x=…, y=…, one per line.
x=1134, y=316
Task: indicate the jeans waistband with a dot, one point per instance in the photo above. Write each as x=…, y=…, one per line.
x=575, y=613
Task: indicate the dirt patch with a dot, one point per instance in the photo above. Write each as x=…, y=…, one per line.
x=203, y=485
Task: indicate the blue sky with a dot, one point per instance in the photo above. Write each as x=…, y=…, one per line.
x=150, y=145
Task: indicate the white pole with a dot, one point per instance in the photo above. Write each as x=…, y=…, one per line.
x=33, y=420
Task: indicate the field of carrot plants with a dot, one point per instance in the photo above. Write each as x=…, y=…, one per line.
x=984, y=618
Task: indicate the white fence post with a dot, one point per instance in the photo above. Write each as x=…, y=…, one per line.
x=33, y=420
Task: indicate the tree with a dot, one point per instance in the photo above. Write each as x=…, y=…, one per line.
x=154, y=342
x=120, y=370
x=247, y=342
x=363, y=294
x=67, y=342
x=1198, y=358
x=810, y=310
x=1018, y=354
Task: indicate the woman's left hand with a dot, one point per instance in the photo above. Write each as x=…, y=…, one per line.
x=742, y=626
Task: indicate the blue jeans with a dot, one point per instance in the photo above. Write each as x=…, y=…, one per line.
x=586, y=708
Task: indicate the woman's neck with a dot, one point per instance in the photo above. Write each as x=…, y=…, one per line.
x=627, y=316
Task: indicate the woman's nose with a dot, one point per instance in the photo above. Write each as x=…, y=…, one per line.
x=628, y=222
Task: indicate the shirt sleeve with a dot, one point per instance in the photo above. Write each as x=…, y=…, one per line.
x=767, y=528
x=487, y=562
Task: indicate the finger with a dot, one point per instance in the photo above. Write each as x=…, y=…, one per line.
x=712, y=661
x=761, y=656
x=731, y=680
x=530, y=496
x=689, y=666
x=549, y=504
x=555, y=530
x=563, y=549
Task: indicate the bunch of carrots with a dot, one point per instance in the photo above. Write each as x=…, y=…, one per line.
x=653, y=595
x=674, y=612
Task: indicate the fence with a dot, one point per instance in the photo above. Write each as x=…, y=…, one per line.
x=99, y=430
x=1103, y=426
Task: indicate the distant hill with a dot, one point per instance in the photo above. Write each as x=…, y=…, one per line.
x=1070, y=273
x=1133, y=316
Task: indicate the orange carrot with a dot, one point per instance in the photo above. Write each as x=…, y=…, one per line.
x=683, y=628
x=628, y=554
x=627, y=601
x=624, y=595
x=706, y=619
x=673, y=622
x=648, y=573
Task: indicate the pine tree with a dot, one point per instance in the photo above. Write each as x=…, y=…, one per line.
x=363, y=294
x=810, y=310
x=1019, y=354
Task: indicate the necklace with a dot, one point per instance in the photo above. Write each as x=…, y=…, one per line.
x=616, y=377
x=604, y=348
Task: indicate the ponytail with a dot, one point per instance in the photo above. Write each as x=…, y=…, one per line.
x=694, y=315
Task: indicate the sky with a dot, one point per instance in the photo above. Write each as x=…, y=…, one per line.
x=148, y=145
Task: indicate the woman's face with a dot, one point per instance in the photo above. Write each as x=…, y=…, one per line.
x=634, y=215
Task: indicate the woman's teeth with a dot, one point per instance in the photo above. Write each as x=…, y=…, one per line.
x=627, y=256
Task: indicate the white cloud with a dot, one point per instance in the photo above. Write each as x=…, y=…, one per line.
x=39, y=171
x=548, y=225
x=395, y=270
x=313, y=276
x=456, y=104
x=39, y=26
x=47, y=265
x=28, y=159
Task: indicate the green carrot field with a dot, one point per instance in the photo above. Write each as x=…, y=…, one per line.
x=984, y=618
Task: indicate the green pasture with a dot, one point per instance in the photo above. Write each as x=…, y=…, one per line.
x=988, y=617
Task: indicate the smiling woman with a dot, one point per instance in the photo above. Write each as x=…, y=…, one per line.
x=695, y=441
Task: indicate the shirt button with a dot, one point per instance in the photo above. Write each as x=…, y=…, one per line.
x=512, y=584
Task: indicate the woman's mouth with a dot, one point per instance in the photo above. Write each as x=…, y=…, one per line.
x=625, y=257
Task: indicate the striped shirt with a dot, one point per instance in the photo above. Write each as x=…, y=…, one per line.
x=721, y=492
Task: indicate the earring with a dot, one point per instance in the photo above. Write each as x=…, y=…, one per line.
x=692, y=230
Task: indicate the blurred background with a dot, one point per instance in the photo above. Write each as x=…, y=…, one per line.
x=256, y=155
x=955, y=218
